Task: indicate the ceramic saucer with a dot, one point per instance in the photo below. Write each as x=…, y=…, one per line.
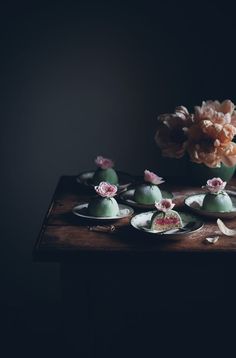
x=190, y=224
x=128, y=198
x=194, y=203
x=125, y=179
x=81, y=210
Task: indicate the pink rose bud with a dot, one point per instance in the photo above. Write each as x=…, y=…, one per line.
x=215, y=185
x=104, y=163
x=106, y=190
x=152, y=178
x=164, y=205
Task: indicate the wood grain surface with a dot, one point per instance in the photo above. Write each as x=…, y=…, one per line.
x=65, y=236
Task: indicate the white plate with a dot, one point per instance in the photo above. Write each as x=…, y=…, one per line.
x=194, y=203
x=128, y=198
x=142, y=222
x=81, y=210
x=125, y=179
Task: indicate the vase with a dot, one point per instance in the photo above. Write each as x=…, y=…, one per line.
x=200, y=173
x=174, y=171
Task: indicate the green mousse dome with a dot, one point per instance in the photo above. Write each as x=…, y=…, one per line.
x=103, y=207
x=109, y=175
x=147, y=194
x=220, y=202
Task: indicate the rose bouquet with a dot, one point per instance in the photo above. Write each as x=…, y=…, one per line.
x=206, y=135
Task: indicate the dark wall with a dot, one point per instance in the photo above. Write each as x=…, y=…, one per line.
x=83, y=79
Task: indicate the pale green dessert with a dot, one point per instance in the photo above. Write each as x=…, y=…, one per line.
x=216, y=200
x=166, y=221
x=109, y=175
x=219, y=202
x=103, y=207
x=147, y=194
x=165, y=218
x=104, y=172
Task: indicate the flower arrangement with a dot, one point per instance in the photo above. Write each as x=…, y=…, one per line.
x=206, y=135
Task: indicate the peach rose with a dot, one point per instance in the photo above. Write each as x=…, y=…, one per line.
x=152, y=178
x=104, y=163
x=164, y=205
x=216, y=111
x=210, y=137
x=228, y=157
x=171, y=135
x=106, y=190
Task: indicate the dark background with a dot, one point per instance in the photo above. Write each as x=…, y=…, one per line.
x=82, y=79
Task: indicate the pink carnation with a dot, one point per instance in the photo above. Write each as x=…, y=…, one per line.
x=152, y=178
x=104, y=163
x=215, y=185
x=106, y=190
x=164, y=205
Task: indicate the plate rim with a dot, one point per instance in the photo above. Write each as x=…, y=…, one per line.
x=101, y=217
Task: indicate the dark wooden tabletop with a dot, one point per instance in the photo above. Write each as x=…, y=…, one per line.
x=65, y=236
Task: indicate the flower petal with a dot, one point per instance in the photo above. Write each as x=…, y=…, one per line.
x=152, y=178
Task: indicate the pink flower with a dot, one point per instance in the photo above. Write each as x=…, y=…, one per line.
x=106, y=190
x=104, y=163
x=215, y=185
x=152, y=178
x=164, y=205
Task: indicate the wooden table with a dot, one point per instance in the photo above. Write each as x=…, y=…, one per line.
x=121, y=275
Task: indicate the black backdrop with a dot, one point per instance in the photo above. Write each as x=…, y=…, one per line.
x=86, y=78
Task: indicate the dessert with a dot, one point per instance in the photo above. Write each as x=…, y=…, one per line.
x=216, y=200
x=104, y=205
x=105, y=171
x=165, y=218
x=148, y=193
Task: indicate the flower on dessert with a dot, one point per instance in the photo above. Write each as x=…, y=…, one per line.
x=104, y=163
x=207, y=135
x=171, y=132
x=106, y=190
x=164, y=205
x=152, y=178
x=215, y=185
